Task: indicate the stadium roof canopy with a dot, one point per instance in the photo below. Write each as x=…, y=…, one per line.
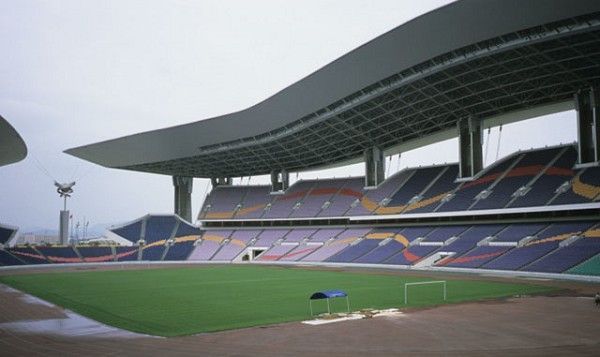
x=497, y=60
x=12, y=146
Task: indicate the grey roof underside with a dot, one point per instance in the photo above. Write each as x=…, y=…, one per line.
x=469, y=58
x=12, y=146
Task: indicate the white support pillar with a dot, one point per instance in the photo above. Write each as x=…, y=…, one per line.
x=469, y=147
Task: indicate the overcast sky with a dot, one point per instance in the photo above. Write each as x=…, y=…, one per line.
x=77, y=72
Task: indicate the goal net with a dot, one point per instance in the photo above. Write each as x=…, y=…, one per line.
x=407, y=285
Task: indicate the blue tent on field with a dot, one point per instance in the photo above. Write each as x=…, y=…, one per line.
x=328, y=294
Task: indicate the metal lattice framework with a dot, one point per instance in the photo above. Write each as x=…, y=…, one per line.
x=542, y=65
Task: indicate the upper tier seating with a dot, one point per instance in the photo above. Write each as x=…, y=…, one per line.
x=524, y=179
x=349, y=193
x=584, y=187
x=441, y=187
x=282, y=206
x=414, y=187
x=373, y=197
x=223, y=201
x=463, y=197
x=345, y=198
x=418, y=192
x=544, y=188
x=526, y=167
x=254, y=202
x=313, y=202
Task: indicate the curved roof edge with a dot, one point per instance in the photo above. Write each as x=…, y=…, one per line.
x=407, y=45
x=12, y=146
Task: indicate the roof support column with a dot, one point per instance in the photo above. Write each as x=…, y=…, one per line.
x=280, y=180
x=183, y=196
x=374, y=166
x=469, y=147
x=220, y=181
x=587, y=104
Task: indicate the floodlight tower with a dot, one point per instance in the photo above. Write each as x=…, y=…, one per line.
x=65, y=190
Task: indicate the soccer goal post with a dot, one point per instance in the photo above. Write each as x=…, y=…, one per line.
x=406, y=285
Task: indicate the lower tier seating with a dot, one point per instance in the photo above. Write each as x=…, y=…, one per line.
x=60, y=254
x=154, y=252
x=180, y=250
x=124, y=254
x=7, y=259
x=475, y=258
x=588, y=267
x=96, y=254
x=28, y=255
x=557, y=247
x=546, y=241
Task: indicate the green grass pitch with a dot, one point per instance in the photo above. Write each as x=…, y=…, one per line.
x=183, y=301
